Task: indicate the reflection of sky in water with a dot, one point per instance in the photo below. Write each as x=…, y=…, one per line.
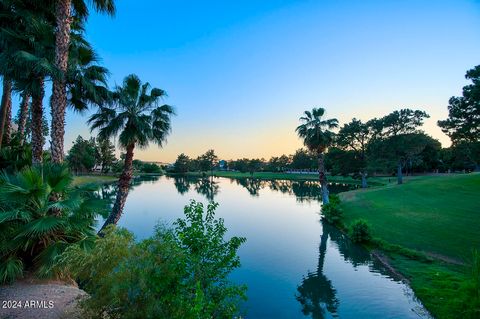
x=283, y=238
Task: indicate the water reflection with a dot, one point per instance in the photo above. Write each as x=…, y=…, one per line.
x=316, y=293
x=285, y=240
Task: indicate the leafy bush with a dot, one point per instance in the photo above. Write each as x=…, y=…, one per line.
x=332, y=211
x=179, y=272
x=41, y=214
x=360, y=231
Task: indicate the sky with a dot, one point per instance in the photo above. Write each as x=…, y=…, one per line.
x=240, y=73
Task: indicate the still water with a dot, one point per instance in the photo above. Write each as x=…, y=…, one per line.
x=295, y=266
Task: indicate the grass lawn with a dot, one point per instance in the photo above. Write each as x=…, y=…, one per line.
x=435, y=214
x=438, y=215
x=93, y=179
x=285, y=176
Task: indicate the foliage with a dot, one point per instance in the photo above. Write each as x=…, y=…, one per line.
x=207, y=161
x=134, y=115
x=82, y=156
x=177, y=273
x=463, y=122
x=332, y=211
x=182, y=164
x=150, y=168
x=303, y=159
x=41, y=214
x=28, y=125
x=315, y=131
x=105, y=154
x=360, y=231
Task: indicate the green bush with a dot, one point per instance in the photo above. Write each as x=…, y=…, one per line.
x=360, y=231
x=41, y=214
x=179, y=272
x=332, y=212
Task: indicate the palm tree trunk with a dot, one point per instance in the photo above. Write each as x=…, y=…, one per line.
x=22, y=121
x=37, y=123
x=399, y=173
x=59, y=94
x=6, y=111
x=322, y=178
x=123, y=188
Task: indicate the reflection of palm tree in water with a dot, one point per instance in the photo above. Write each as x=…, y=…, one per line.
x=316, y=291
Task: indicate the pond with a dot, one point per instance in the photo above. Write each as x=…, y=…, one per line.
x=295, y=266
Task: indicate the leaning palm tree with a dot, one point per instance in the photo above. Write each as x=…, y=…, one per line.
x=317, y=137
x=64, y=19
x=137, y=118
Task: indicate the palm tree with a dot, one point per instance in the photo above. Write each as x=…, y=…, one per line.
x=64, y=19
x=22, y=119
x=317, y=137
x=135, y=116
x=34, y=228
x=6, y=107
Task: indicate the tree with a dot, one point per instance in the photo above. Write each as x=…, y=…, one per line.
x=208, y=161
x=355, y=136
x=401, y=137
x=182, y=164
x=317, y=137
x=137, y=119
x=278, y=164
x=82, y=156
x=463, y=122
x=105, y=154
x=303, y=159
x=64, y=19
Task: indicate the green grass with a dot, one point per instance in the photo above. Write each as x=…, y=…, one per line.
x=93, y=179
x=285, y=176
x=435, y=215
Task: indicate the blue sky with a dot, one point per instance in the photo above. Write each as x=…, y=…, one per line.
x=240, y=73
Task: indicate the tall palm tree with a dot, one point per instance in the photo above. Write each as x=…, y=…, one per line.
x=135, y=116
x=317, y=137
x=64, y=19
x=5, y=113
x=22, y=119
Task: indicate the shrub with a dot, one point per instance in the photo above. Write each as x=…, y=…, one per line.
x=360, y=231
x=332, y=211
x=179, y=272
x=41, y=214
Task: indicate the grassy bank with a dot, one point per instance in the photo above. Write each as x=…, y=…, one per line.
x=286, y=176
x=435, y=215
x=93, y=179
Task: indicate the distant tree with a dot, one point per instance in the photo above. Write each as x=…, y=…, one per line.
x=150, y=168
x=318, y=137
x=241, y=165
x=182, y=164
x=278, y=164
x=303, y=159
x=255, y=165
x=400, y=137
x=138, y=119
x=355, y=136
x=208, y=161
x=82, y=155
x=105, y=154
